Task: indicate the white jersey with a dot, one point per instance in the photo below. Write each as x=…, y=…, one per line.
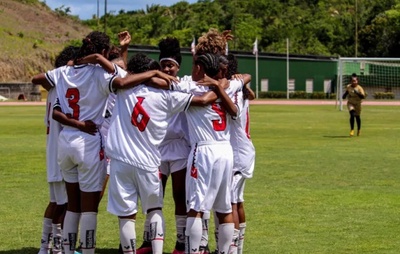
x=243, y=148
x=82, y=91
x=208, y=123
x=139, y=123
x=53, y=130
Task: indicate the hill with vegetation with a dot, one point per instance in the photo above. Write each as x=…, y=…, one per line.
x=31, y=35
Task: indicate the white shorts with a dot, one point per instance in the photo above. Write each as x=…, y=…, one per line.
x=208, y=177
x=174, y=149
x=237, y=188
x=169, y=167
x=81, y=159
x=128, y=183
x=58, y=193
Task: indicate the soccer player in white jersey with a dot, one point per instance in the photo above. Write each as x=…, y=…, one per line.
x=175, y=147
x=211, y=159
x=138, y=125
x=243, y=154
x=82, y=92
x=54, y=213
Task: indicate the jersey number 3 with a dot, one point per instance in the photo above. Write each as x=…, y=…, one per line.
x=139, y=117
x=73, y=97
x=219, y=125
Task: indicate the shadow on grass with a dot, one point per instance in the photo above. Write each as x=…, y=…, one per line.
x=31, y=250
x=336, y=136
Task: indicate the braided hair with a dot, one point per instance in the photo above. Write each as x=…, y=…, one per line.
x=210, y=62
x=170, y=48
x=95, y=42
x=67, y=54
x=141, y=63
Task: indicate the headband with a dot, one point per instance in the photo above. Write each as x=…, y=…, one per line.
x=169, y=59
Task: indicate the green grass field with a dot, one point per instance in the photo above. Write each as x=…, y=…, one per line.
x=315, y=189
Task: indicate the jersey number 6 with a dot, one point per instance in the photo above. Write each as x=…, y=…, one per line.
x=139, y=117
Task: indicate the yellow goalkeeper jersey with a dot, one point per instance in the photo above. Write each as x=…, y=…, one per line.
x=352, y=97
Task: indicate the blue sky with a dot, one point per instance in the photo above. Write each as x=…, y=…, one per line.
x=85, y=9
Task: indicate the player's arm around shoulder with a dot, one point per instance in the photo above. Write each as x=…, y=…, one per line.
x=40, y=79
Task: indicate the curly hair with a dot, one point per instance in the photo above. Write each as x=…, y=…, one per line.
x=94, y=42
x=67, y=54
x=170, y=48
x=211, y=42
x=141, y=63
x=210, y=62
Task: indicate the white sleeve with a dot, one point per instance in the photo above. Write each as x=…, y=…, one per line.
x=178, y=101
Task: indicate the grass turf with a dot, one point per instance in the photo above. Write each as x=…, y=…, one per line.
x=315, y=189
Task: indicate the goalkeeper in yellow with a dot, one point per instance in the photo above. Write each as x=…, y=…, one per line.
x=354, y=93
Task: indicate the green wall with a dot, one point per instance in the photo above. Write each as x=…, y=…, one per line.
x=270, y=66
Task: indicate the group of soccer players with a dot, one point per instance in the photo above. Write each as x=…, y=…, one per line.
x=153, y=124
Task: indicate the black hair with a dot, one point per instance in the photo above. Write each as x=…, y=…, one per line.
x=210, y=62
x=141, y=63
x=354, y=75
x=232, y=66
x=94, y=42
x=170, y=48
x=67, y=54
x=115, y=53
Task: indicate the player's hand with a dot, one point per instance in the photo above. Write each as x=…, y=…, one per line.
x=124, y=38
x=89, y=59
x=207, y=81
x=166, y=77
x=237, y=76
x=88, y=126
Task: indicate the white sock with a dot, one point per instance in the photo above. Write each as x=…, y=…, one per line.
x=233, y=249
x=146, y=230
x=70, y=231
x=57, y=238
x=242, y=229
x=45, y=242
x=180, y=228
x=193, y=234
x=225, y=235
x=127, y=235
x=88, y=232
x=204, y=235
x=156, y=231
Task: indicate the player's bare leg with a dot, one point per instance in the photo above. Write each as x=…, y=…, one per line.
x=235, y=240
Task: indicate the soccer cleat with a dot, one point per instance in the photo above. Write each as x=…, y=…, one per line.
x=204, y=250
x=351, y=133
x=145, y=248
x=358, y=132
x=179, y=248
x=178, y=251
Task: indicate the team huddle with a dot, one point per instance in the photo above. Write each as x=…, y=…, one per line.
x=131, y=125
